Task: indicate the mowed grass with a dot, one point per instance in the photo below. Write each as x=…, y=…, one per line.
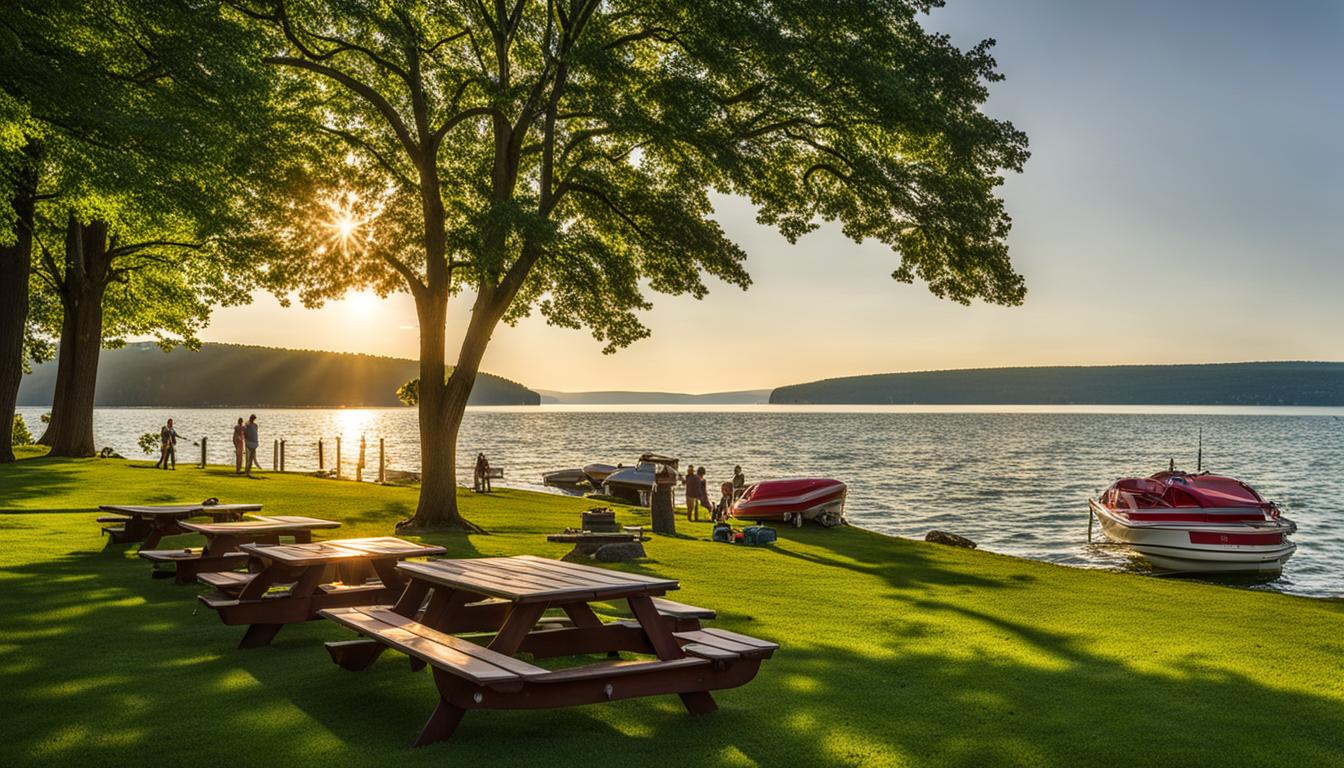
x=894, y=652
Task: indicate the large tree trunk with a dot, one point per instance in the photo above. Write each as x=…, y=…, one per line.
x=64, y=366
x=442, y=406
x=15, y=267
x=71, y=430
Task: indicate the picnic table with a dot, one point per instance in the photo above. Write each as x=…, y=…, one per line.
x=223, y=542
x=509, y=595
x=290, y=583
x=148, y=524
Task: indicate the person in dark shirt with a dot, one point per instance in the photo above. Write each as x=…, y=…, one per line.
x=739, y=481
x=694, y=491
x=251, y=439
x=239, y=445
x=168, y=446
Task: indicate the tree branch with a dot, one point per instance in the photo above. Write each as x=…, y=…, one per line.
x=362, y=89
x=359, y=143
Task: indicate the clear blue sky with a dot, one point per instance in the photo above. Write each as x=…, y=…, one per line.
x=1184, y=203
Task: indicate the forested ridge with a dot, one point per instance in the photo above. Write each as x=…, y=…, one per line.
x=1267, y=383
x=233, y=374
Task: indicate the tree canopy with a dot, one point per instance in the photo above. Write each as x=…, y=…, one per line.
x=559, y=156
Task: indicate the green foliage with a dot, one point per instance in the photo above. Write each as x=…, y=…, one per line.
x=409, y=393
x=149, y=443
x=560, y=156
x=155, y=121
x=20, y=435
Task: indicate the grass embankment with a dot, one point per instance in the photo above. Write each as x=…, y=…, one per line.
x=894, y=652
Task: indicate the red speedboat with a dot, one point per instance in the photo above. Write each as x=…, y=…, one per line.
x=1196, y=522
x=793, y=501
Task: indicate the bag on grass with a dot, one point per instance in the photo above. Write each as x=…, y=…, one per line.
x=759, y=535
x=722, y=532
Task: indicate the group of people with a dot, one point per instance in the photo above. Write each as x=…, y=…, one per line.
x=245, y=442
x=697, y=493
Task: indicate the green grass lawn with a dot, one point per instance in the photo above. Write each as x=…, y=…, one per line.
x=893, y=652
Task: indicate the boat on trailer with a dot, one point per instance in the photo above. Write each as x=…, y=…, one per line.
x=793, y=500
x=1201, y=522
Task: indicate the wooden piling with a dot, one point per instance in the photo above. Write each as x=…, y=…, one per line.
x=320, y=463
x=382, y=462
x=275, y=456
x=282, y=455
x=338, y=457
x=203, y=452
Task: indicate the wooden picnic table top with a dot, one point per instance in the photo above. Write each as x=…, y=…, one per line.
x=530, y=579
x=322, y=552
x=177, y=510
x=261, y=524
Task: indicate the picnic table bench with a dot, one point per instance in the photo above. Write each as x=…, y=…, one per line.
x=469, y=675
x=290, y=583
x=223, y=542
x=148, y=524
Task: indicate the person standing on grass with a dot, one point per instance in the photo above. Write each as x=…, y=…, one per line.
x=251, y=440
x=739, y=481
x=702, y=485
x=693, y=493
x=168, y=445
x=239, y=441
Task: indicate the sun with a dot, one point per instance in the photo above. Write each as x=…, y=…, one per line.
x=361, y=302
x=348, y=225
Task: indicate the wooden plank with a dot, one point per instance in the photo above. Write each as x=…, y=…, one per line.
x=341, y=549
x=701, y=637
x=619, y=669
x=745, y=640
x=177, y=510
x=564, y=575
x=681, y=610
x=260, y=525
x=709, y=652
x=170, y=555
x=598, y=572
x=516, y=666
x=463, y=657
x=438, y=572
x=533, y=579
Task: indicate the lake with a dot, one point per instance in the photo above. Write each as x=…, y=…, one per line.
x=1014, y=478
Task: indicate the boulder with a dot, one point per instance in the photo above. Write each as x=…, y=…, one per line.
x=950, y=539
x=615, y=553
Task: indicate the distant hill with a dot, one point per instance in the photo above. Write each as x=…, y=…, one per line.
x=236, y=375
x=741, y=397
x=1278, y=383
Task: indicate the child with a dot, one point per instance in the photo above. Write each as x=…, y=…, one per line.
x=725, y=502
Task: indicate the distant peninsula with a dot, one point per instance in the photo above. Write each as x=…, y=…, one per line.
x=1268, y=383
x=141, y=374
x=620, y=397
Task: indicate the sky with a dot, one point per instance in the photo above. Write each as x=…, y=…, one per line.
x=1183, y=203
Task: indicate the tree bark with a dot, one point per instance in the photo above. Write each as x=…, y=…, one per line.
x=70, y=433
x=15, y=268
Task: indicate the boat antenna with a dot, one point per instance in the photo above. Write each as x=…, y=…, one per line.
x=1199, y=458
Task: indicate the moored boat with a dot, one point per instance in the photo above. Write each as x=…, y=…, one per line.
x=635, y=484
x=597, y=473
x=574, y=476
x=793, y=500
x=1196, y=522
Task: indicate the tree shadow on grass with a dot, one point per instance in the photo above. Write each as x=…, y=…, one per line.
x=102, y=664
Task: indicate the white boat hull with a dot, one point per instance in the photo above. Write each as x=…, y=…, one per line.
x=1204, y=547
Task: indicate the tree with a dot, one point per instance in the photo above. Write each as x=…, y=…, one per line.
x=558, y=155
x=149, y=113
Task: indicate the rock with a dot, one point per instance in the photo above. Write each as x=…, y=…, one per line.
x=615, y=553
x=950, y=539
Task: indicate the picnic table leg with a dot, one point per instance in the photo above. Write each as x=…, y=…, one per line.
x=521, y=619
x=441, y=724
x=665, y=645
x=258, y=635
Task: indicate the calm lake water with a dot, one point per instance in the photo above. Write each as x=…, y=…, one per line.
x=1015, y=479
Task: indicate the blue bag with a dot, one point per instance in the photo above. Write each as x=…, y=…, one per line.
x=723, y=532
x=759, y=535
